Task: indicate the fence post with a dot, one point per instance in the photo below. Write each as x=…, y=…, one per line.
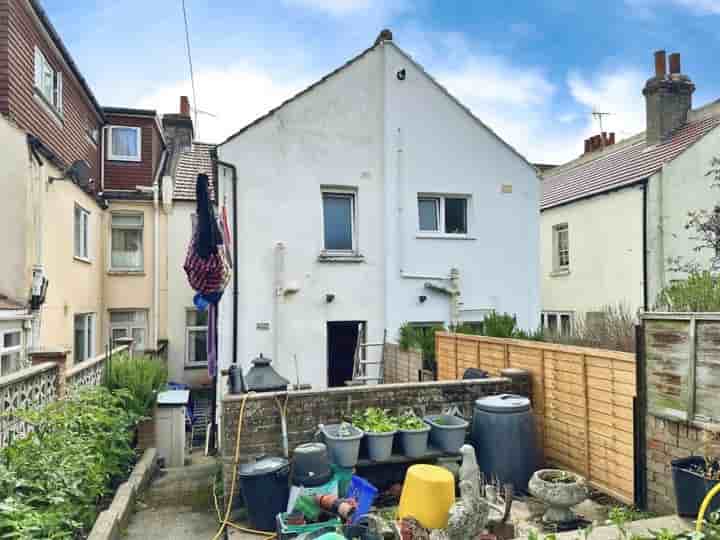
x=587, y=417
x=639, y=420
x=455, y=341
x=57, y=357
x=692, y=333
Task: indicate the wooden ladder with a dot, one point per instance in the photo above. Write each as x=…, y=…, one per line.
x=360, y=375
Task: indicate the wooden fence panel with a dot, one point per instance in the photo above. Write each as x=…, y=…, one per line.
x=583, y=401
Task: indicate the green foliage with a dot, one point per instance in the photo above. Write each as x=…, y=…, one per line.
x=699, y=292
x=500, y=325
x=52, y=480
x=410, y=421
x=422, y=338
x=375, y=420
x=142, y=377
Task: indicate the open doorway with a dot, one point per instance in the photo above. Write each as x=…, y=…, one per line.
x=342, y=340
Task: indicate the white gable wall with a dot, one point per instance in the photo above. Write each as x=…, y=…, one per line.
x=329, y=136
x=446, y=151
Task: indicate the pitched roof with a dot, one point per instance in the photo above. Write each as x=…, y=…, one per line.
x=197, y=160
x=623, y=164
x=381, y=41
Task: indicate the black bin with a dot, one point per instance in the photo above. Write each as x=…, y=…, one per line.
x=265, y=488
x=691, y=487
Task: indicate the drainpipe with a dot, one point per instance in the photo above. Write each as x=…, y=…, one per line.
x=644, y=244
x=278, y=280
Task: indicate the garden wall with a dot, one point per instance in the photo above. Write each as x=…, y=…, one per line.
x=402, y=366
x=583, y=401
x=680, y=364
x=262, y=432
x=46, y=380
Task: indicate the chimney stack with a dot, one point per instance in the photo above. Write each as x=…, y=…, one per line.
x=184, y=106
x=668, y=99
x=179, y=133
x=599, y=142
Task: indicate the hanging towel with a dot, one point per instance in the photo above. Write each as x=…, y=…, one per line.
x=212, y=343
x=208, y=233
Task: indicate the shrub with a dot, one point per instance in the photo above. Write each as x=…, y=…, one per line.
x=52, y=480
x=611, y=327
x=422, y=338
x=142, y=377
x=699, y=292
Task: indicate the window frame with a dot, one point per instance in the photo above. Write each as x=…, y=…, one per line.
x=5, y=351
x=188, y=330
x=90, y=328
x=558, y=265
x=129, y=326
x=340, y=193
x=440, y=231
x=558, y=317
x=141, y=228
x=41, y=66
x=138, y=138
x=81, y=252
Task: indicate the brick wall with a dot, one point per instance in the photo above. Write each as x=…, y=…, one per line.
x=666, y=440
x=262, y=434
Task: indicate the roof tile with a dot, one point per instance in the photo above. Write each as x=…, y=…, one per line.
x=197, y=160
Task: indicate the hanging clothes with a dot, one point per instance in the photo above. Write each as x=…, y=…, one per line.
x=209, y=237
x=212, y=344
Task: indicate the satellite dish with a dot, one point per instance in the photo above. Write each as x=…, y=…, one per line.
x=80, y=173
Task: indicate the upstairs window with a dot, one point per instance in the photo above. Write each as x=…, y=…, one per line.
x=48, y=82
x=339, y=221
x=561, y=244
x=124, y=143
x=444, y=214
x=126, y=238
x=81, y=233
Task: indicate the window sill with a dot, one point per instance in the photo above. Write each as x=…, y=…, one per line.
x=560, y=273
x=120, y=159
x=126, y=272
x=340, y=258
x=196, y=365
x=443, y=236
x=51, y=111
x=84, y=260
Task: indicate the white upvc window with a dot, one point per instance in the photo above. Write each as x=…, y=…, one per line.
x=84, y=338
x=124, y=143
x=443, y=214
x=561, y=248
x=196, y=330
x=339, y=220
x=126, y=242
x=81, y=233
x=48, y=82
x=11, y=351
x=132, y=324
x=557, y=323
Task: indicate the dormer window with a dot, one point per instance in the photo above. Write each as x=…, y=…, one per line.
x=48, y=82
x=124, y=143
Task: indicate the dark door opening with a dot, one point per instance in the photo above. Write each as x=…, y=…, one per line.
x=342, y=340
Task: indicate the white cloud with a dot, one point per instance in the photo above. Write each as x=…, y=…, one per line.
x=647, y=8
x=347, y=7
x=235, y=95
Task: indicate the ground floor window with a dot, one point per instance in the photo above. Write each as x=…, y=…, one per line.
x=11, y=351
x=196, y=329
x=84, y=346
x=558, y=323
x=130, y=324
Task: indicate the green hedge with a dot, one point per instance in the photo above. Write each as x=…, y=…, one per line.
x=53, y=480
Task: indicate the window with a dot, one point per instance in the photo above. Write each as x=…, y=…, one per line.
x=196, y=337
x=131, y=324
x=48, y=82
x=81, y=233
x=557, y=323
x=126, y=251
x=561, y=244
x=11, y=352
x=84, y=337
x=125, y=143
x=443, y=214
x=339, y=221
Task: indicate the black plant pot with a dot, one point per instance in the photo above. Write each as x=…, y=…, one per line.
x=691, y=487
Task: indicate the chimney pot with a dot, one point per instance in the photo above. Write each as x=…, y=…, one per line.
x=675, y=64
x=660, y=65
x=611, y=140
x=184, y=106
x=587, y=146
x=384, y=35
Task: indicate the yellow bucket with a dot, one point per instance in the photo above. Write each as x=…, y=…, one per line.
x=427, y=495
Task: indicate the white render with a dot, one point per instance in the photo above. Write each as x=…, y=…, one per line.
x=389, y=139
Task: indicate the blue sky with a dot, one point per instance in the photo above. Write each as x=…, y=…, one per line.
x=533, y=70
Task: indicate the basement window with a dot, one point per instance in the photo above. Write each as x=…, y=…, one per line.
x=84, y=342
x=11, y=352
x=444, y=214
x=557, y=323
x=196, y=330
x=132, y=324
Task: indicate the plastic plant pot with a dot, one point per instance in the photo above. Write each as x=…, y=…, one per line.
x=447, y=432
x=344, y=451
x=691, y=486
x=380, y=445
x=414, y=442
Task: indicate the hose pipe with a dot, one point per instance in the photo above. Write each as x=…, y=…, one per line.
x=704, y=506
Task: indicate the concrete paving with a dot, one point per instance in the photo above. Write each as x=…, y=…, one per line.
x=172, y=523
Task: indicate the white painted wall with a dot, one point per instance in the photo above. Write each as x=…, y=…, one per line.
x=445, y=150
x=329, y=136
x=680, y=187
x=605, y=238
x=344, y=132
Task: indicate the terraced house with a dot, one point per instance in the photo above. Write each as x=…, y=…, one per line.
x=83, y=220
